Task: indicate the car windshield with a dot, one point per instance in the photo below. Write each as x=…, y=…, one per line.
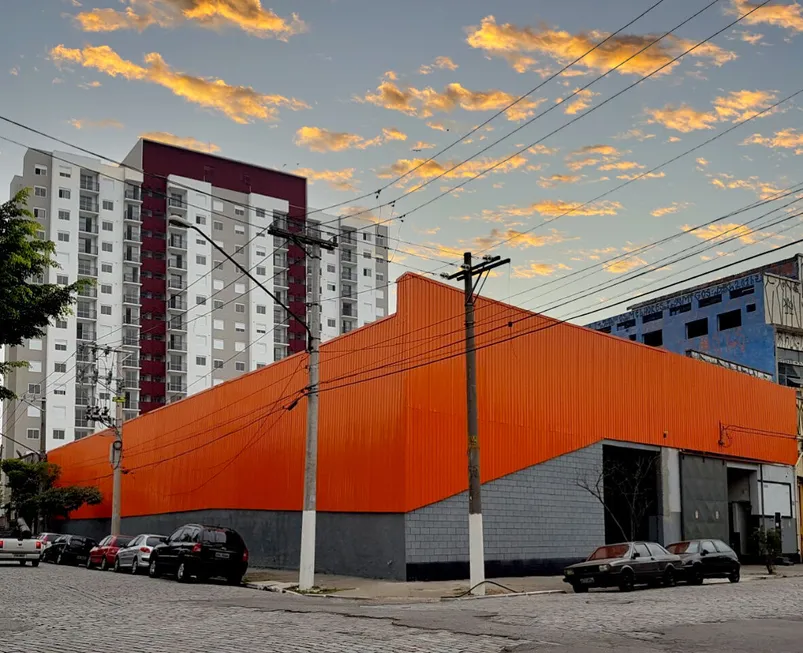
x=153, y=541
x=227, y=538
x=684, y=547
x=611, y=551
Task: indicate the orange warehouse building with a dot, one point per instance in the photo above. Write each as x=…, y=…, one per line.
x=569, y=418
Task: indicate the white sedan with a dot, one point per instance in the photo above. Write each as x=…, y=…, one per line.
x=136, y=556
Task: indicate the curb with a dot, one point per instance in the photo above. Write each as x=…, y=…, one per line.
x=271, y=588
x=502, y=596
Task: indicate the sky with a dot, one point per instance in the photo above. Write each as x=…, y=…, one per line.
x=353, y=94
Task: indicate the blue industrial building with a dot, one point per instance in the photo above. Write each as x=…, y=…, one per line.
x=752, y=322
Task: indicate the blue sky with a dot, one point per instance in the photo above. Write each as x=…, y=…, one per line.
x=335, y=89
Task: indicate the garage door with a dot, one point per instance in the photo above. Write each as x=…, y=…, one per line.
x=704, y=497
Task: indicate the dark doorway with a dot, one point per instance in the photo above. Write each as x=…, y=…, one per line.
x=741, y=484
x=631, y=479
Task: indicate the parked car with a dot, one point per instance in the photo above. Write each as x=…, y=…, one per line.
x=69, y=549
x=137, y=555
x=201, y=552
x=707, y=559
x=17, y=545
x=624, y=566
x=47, y=539
x=105, y=552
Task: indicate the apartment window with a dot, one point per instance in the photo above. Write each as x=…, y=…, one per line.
x=709, y=301
x=40, y=214
x=63, y=215
x=35, y=344
x=217, y=225
x=654, y=338
x=33, y=434
x=217, y=284
x=239, y=211
x=61, y=345
x=260, y=213
x=652, y=317
x=217, y=343
x=58, y=434
x=261, y=328
x=239, y=327
x=330, y=268
x=239, y=288
x=60, y=390
x=34, y=366
x=742, y=292
x=366, y=254
x=200, y=260
x=380, y=276
x=108, y=205
x=366, y=236
x=63, y=237
x=261, y=309
x=682, y=308
x=218, y=265
x=239, y=366
x=66, y=173
x=240, y=308
x=60, y=368
x=366, y=272
x=260, y=252
x=106, y=289
x=107, y=247
x=697, y=328
x=331, y=287
x=238, y=249
x=200, y=300
x=217, y=364
x=105, y=310
x=729, y=320
x=107, y=226
x=605, y=329
x=331, y=323
x=106, y=267
x=239, y=229
x=62, y=279
x=61, y=324
x=34, y=389
x=39, y=191
x=239, y=346
x=200, y=360
x=199, y=219
x=260, y=271
x=750, y=308
x=217, y=304
x=40, y=171
x=64, y=193
x=218, y=324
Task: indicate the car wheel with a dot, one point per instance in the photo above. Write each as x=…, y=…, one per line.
x=696, y=575
x=88, y=562
x=234, y=580
x=579, y=589
x=117, y=565
x=183, y=573
x=60, y=559
x=135, y=566
x=22, y=563
x=626, y=581
x=34, y=563
x=104, y=565
x=153, y=570
x=734, y=576
x=669, y=577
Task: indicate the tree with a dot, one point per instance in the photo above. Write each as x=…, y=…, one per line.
x=26, y=307
x=768, y=546
x=34, y=493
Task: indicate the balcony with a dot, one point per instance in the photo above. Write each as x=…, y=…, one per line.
x=87, y=270
x=88, y=205
x=176, y=345
x=177, y=203
x=87, y=183
x=131, y=341
x=88, y=291
x=176, y=263
x=348, y=277
x=131, y=319
x=176, y=367
x=132, y=235
x=86, y=334
x=131, y=277
x=133, y=193
x=177, y=324
x=280, y=280
x=348, y=258
x=86, y=247
x=177, y=304
x=86, y=313
x=132, y=213
x=280, y=315
x=130, y=298
x=177, y=284
x=132, y=360
x=176, y=387
x=87, y=227
x=176, y=242
x=131, y=256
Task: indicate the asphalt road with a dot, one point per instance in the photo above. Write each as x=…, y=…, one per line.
x=70, y=609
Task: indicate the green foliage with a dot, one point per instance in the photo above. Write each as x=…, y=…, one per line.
x=767, y=543
x=33, y=493
x=26, y=308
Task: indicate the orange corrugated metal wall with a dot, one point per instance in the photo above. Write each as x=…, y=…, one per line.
x=398, y=442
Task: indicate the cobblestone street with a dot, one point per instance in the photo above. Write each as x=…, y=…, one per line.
x=69, y=609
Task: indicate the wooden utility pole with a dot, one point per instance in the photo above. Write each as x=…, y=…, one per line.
x=476, y=544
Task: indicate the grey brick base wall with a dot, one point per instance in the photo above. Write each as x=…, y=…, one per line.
x=535, y=521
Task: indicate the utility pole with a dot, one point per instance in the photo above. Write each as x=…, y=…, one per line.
x=476, y=543
x=306, y=568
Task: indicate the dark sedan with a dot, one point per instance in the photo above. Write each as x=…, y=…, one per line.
x=69, y=550
x=624, y=566
x=707, y=559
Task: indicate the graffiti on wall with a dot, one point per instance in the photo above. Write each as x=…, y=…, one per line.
x=736, y=367
x=783, y=302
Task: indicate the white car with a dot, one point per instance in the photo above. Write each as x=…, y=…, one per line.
x=19, y=546
x=136, y=556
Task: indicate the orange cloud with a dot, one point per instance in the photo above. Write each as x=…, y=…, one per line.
x=181, y=141
x=337, y=179
x=672, y=208
x=554, y=180
x=247, y=15
x=97, y=124
x=318, y=139
x=752, y=39
x=422, y=145
x=603, y=150
x=425, y=102
x=532, y=270
x=519, y=239
x=621, y=165
x=441, y=63
x=624, y=264
x=702, y=162
x=431, y=169
x=582, y=163
x=542, y=149
x=649, y=175
x=735, y=106
x=242, y=104
x=788, y=16
x=635, y=133
x=722, y=231
x=437, y=126
x=580, y=102
x=554, y=208
x=516, y=44
x=788, y=139
x=764, y=190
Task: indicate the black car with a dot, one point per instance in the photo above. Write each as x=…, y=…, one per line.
x=69, y=550
x=196, y=551
x=707, y=559
x=624, y=566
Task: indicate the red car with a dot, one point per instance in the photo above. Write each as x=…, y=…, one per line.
x=103, y=554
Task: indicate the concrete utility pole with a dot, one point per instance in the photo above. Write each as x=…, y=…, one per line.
x=476, y=544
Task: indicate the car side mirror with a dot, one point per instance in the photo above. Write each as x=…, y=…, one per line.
x=703, y=552
x=636, y=554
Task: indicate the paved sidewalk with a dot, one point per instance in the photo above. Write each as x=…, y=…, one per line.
x=368, y=589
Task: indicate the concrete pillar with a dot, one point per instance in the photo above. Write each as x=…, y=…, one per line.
x=670, y=496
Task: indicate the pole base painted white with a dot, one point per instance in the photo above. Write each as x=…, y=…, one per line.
x=306, y=569
x=476, y=555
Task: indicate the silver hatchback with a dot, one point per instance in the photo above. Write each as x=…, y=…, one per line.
x=136, y=556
